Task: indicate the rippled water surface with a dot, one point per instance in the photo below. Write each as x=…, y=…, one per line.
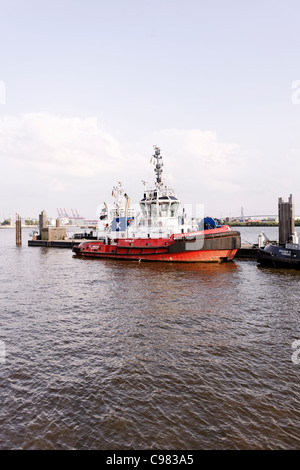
x=104, y=354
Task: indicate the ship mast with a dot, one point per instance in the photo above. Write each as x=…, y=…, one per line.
x=158, y=165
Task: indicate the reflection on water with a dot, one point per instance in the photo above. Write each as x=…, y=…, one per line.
x=105, y=354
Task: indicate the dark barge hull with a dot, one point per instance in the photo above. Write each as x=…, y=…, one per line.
x=278, y=256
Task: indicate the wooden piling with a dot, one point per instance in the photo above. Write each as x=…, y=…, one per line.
x=18, y=230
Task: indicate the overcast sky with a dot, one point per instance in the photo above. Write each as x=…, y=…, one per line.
x=87, y=87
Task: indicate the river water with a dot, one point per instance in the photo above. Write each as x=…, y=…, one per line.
x=104, y=354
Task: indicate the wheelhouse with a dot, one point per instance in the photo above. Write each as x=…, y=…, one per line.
x=157, y=204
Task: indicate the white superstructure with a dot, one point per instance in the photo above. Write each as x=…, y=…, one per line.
x=159, y=214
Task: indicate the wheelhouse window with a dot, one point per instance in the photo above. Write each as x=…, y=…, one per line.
x=164, y=209
x=174, y=209
x=153, y=208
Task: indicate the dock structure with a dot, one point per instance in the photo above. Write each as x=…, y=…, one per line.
x=69, y=243
x=56, y=237
x=18, y=230
x=246, y=251
x=48, y=234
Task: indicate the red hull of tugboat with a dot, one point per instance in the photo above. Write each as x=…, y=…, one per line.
x=220, y=244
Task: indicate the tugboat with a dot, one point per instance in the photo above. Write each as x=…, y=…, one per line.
x=280, y=256
x=159, y=232
x=286, y=252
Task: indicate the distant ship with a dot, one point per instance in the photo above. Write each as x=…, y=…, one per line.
x=160, y=232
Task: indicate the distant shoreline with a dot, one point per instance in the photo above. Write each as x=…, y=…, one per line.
x=231, y=224
x=23, y=226
x=36, y=226
x=257, y=224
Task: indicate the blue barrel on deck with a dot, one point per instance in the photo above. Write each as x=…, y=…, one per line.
x=209, y=223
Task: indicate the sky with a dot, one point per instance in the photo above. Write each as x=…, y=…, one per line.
x=88, y=87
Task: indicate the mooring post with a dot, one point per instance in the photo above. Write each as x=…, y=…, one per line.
x=18, y=230
x=42, y=222
x=286, y=219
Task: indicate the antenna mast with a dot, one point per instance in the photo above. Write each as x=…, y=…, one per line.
x=158, y=165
